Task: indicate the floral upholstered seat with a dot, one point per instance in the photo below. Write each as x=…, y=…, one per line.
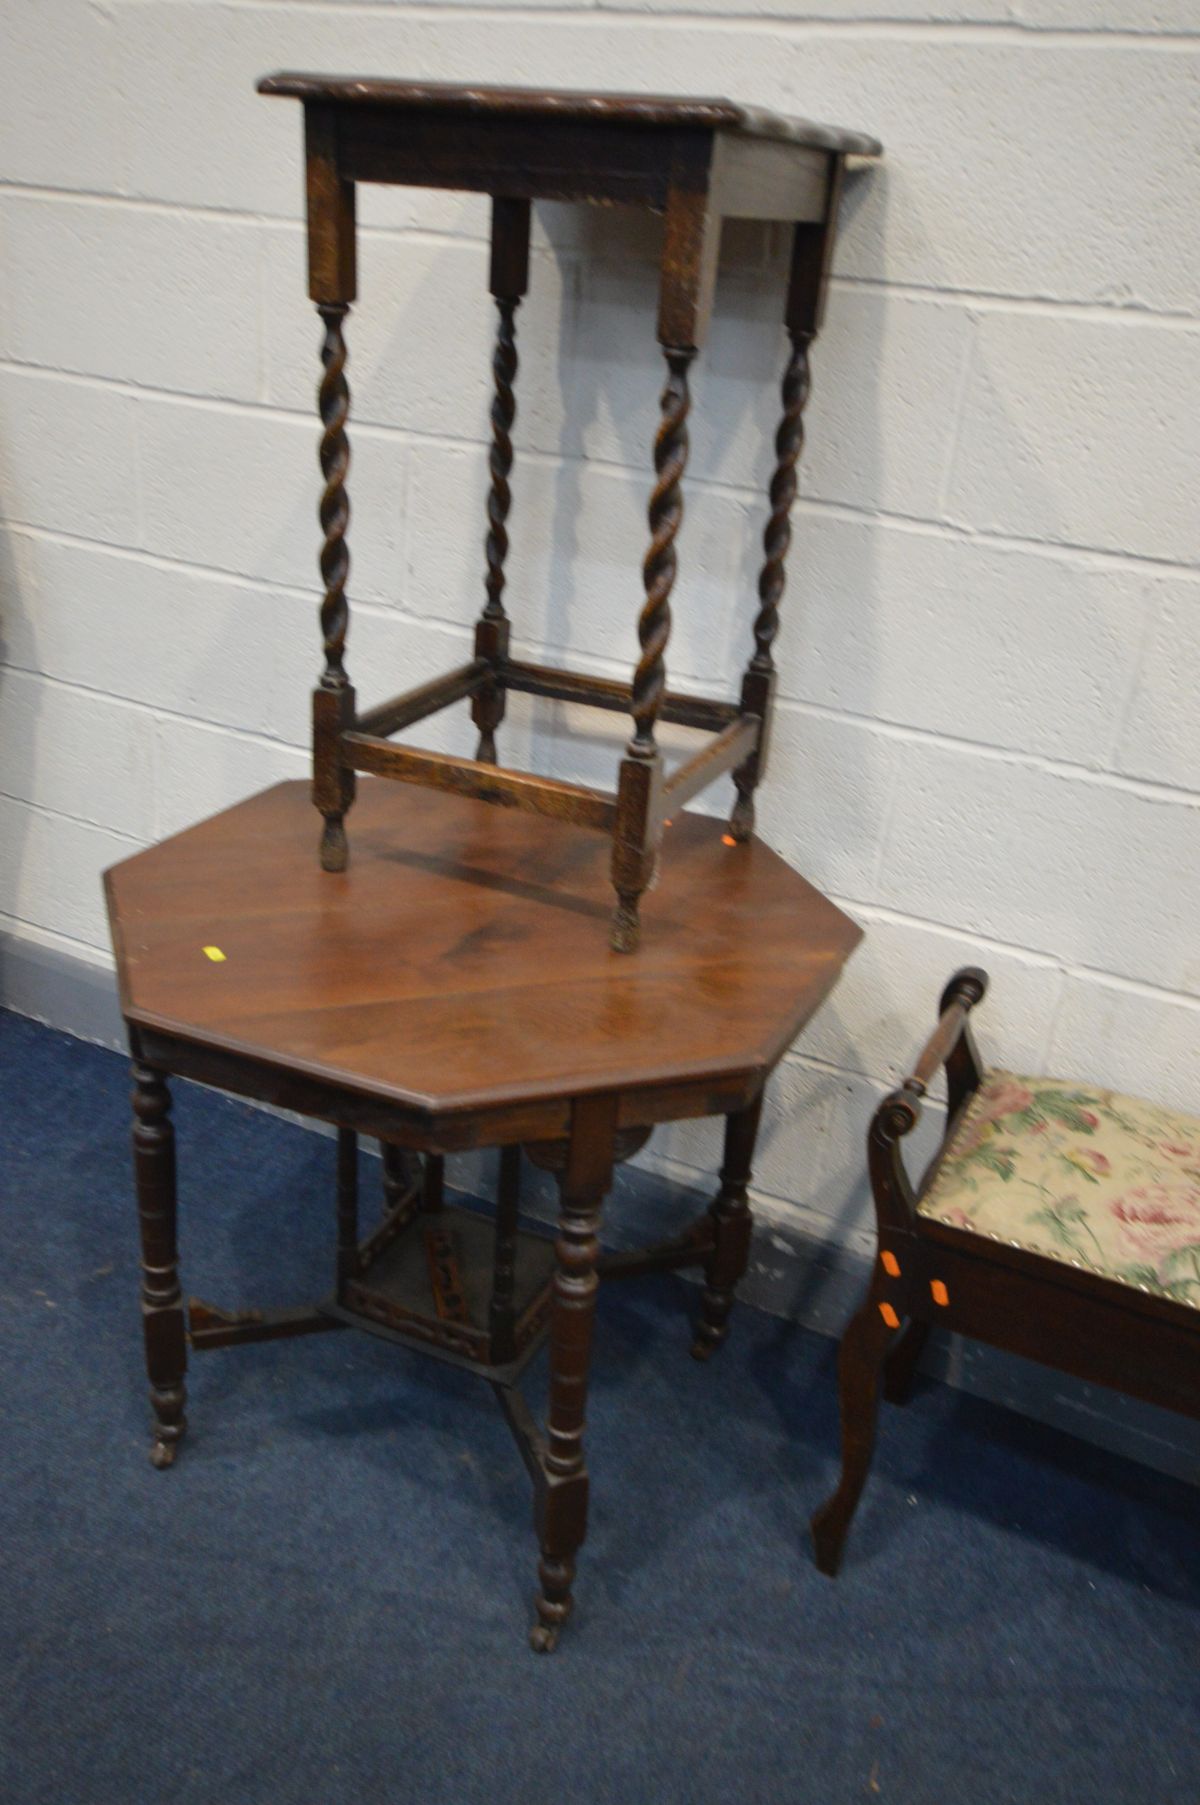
x=1078, y=1174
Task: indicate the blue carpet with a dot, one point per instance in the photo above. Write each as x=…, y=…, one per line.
x=326, y=1599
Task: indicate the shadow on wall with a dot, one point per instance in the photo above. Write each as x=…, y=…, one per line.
x=15, y=627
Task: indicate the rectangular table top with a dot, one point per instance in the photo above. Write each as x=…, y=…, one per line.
x=567, y=105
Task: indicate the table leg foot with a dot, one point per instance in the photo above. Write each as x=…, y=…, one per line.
x=162, y=1454
x=732, y=1225
x=163, y=1324
x=170, y=1423
x=554, y=1602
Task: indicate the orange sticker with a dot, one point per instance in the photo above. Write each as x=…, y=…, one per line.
x=728, y=840
x=940, y=1293
x=889, y=1316
x=891, y=1264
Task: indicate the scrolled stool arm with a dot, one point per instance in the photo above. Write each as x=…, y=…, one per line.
x=900, y=1111
x=898, y=1114
x=968, y=986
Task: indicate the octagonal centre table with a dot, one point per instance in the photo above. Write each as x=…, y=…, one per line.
x=450, y=992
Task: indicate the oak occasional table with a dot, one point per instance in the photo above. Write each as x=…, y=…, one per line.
x=451, y=991
x=695, y=160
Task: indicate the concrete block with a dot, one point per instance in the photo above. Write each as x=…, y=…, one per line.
x=1160, y=740
x=51, y=873
x=77, y=753
x=67, y=457
x=1139, y=1041
x=163, y=300
x=1004, y=646
x=420, y=337
x=238, y=490
x=885, y=1005
x=60, y=104
x=1081, y=432
x=204, y=769
x=1091, y=872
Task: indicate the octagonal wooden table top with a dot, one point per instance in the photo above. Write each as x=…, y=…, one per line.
x=462, y=960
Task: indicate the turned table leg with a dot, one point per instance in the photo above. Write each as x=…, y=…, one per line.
x=433, y=1184
x=732, y=1225
x=401, y=1171
x=163, y=1322
x=501, y=1315
x=563, y=1496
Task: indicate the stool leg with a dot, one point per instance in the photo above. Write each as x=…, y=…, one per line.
x=901, y=1367
x=563, y=1495
x=163, y=1322
x=732, y=1225
x=861, y=1359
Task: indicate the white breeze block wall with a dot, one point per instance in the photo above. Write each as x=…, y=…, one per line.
x=987, y=748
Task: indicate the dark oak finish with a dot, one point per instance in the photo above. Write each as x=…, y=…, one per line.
x=457, y=971
x=927, y=1272
x=509, y=281
x=730, y=1225
x=563, y=1500
x=428, y=698
x=639, y=812
x=698, y=161
x=162, y=1300
x=451, y=991
x=573, y=802
x=657, y=111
